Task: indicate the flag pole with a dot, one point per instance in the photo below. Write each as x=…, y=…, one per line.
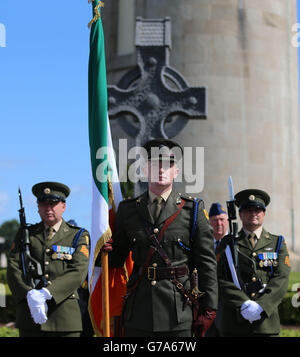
x=105, y=294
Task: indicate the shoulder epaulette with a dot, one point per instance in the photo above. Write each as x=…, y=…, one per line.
x=189, y=198
x=73, y=226
x=129, y=199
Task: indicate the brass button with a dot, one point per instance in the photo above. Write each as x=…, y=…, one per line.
x=48, y=250
x=254, y=278
x=253, y=295
x=154, y=265
x=46, y=263
x=155, y=230
x=254, y=254
x=153, y=282
x=46, y=276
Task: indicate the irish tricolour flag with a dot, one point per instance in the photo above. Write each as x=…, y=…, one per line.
x=106, y=188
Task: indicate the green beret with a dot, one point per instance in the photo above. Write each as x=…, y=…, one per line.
x=51, y=191
x=252, y=198
x=163, y=149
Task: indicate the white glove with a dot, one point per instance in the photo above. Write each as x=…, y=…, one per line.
x=36, y=300
x=251, y=311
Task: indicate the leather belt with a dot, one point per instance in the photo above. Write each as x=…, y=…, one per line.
x=154, y=273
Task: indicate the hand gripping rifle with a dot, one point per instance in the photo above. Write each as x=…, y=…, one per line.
x=32, y=269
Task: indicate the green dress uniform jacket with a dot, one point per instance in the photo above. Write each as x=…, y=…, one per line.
x=64, y=278
x=157, y=305
x=251, y=268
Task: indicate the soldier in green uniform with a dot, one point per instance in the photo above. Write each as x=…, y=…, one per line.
x=250, y=303
x=169, y=236
x=62, y=251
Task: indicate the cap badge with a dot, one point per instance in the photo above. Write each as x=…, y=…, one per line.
x=251, y=197
x=47, y=191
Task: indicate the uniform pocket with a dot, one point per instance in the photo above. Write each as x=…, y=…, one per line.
x=139, y=244
x=176, y=246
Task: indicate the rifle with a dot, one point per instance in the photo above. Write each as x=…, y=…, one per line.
x=32, y=269
x=233, y=226
x=233, y=233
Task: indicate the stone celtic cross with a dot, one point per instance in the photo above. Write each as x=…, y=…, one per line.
x=153, y=92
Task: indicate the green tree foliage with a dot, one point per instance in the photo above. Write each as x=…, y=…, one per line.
x=8, y=230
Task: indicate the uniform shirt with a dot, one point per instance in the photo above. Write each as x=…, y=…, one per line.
x=152, y=204
x=257, y=232
x=55, y=227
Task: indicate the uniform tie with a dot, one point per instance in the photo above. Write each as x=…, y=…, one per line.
x=50, y=232
x=158, y=202
x=252, y=238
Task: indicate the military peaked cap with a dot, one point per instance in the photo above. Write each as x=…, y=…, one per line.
x=252, y=198
x=51, y=191
x=163, y=149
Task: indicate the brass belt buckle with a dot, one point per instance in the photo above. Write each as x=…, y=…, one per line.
x=151, y=273
x=179, y=285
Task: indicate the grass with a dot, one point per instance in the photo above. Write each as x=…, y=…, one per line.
x=293, y=279
x=12, y=332
x=9, y=332
x=289, y=333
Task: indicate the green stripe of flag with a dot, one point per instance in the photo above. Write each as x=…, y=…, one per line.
x=97, y=102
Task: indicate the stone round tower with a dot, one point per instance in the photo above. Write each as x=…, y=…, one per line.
x=241, y=51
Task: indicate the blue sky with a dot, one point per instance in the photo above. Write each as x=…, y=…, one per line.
x=43, y=104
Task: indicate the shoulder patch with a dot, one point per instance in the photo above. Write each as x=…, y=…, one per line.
x=287, y=261
x=84, y=250
x=206, y=214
